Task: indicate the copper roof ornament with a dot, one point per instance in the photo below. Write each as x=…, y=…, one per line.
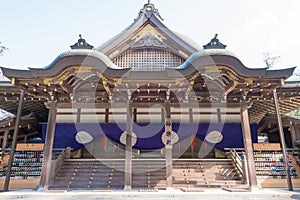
x=81, y=44
x=214, y=44
x=148, y=10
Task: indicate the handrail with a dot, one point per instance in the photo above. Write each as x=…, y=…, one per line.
x=58, y=162
x=237, y=160
x=240, y=163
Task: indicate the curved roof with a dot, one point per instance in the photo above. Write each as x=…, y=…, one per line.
x=148, y=16
x=234, y=77
x=76, y=57
x=148, y=21
x=104, y=65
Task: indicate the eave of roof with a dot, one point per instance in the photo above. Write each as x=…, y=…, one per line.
x=102, y=63
x=77, y=57
x=222, y=57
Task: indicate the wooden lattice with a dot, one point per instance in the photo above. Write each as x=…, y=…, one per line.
x=148, y=60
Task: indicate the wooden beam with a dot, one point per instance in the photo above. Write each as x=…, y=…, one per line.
x=14, y=142
x=78, y=115
x=4, y=142
x=162, y=115
x=135, y=115
x=282, y=108
x=107, y=89
x=46, y=168
x=128, y=149
x=283, y=144
x=219, y=115
x=293, y=136
x=168, y=147
x=149, y=113
x=145, y=105
x=188, y=91
x=191, y=119
x=106, y=115
x=248, y=147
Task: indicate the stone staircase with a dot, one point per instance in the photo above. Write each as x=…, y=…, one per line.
x=108, y=174
x=206, y=173
x=147, y=174
x=85, y=174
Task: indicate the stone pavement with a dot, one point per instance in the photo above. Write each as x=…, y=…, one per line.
x=159, y=195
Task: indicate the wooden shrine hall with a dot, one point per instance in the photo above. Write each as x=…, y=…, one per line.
x=148, y=89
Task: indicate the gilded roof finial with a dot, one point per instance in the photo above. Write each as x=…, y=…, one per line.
x=81, y=44
x=214, y=44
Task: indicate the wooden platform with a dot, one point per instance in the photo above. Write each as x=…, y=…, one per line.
x=22, y=184
x=277, y=183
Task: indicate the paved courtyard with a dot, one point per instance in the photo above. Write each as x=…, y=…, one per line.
x=160, y=195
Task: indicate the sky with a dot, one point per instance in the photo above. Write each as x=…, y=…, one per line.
x=36, y=32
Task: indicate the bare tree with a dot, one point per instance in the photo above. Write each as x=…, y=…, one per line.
x=2, y=49
x=270, y=60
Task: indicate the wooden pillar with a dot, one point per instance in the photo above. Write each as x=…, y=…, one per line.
x=282, y=141
x=162, y=115
x=14, y=142
x=128, y=149
x=25, y=139
x=78, y=115
x=293, y=136
x=46, y=168
x=4, y=143
x=191, y=115
x=219, y=118
x=245, y=169
x=106, y=120
x=248, y=147
x=168, y=147
x=135, y=115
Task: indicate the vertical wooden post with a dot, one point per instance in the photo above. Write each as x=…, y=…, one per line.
x=248, y=147
x=135, y=115
x=128, y=149
x=245, y=169
x=68, y=152
x=25, y=139
x=191, y=115
x=14, y=142
x=293, y=136
x=4, y=143
x=282, y=141
x=106, y=120
x=46, y=168
x=168, y=147
x=78, y=115
x=219, y=118
x=162, y=115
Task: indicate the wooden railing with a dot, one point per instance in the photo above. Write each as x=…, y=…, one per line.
x=239, y=160
x=58, y=161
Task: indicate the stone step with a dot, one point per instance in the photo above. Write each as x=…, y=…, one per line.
x=89, y=187
x=84, y=178
x=109, y=174
x=92, y=166
x=88, y=171
x=206, y=179
x=134, y=178
x=83, y=183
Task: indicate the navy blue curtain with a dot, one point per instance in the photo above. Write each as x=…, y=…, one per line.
x=149, y=135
